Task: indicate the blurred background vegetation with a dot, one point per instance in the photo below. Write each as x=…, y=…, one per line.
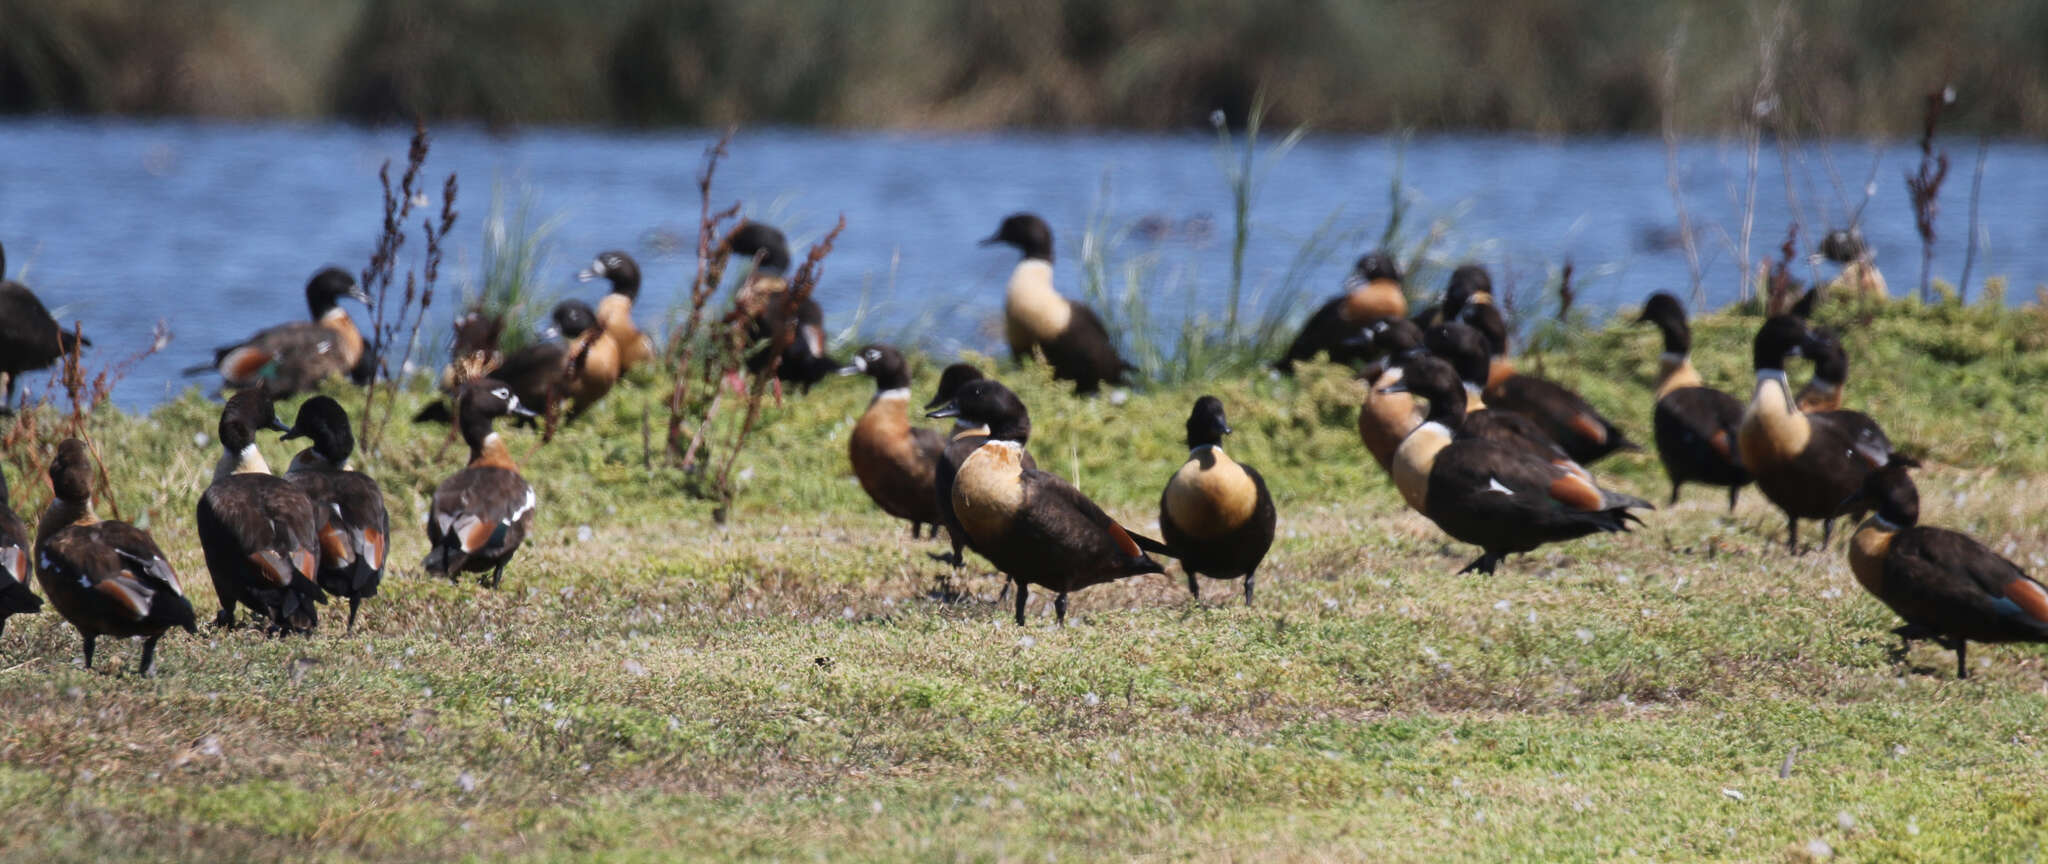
x=1849, y=67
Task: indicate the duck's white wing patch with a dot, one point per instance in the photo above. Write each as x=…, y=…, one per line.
x=1493, y=484
x=524, y=507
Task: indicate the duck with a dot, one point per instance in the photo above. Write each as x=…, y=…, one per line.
x=353, y=527
x=575, y=360
x=966, y=437
x=105, y=578
x=474, y=349
x=1386, y=416
x=1371, y=291
x=290, y=358
x=1469, y=284
x=1945, y=585
x=1823, y=392
x=15, y=572
x=260, y=532
x=951, y=379
x=482, y=512
x=1466, y=351
x=1809, y=465
x=1502, y=499
x=30, y=339
x=1565, y=416
x=895, y=462
x=1696, y=427
x=1215, y=513
x=615, y=309
x=763, y=302
x=1036, y=318
x=1032, y=525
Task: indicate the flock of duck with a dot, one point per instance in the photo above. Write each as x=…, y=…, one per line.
x=1496, y=458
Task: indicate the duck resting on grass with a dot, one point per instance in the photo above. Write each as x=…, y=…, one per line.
x=29, y=338
x=259, y=531
x=1371, y=292
x=294, y=357
x=1037, y=318
x=482, y=512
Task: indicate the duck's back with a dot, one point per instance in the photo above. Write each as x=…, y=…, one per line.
x=1952, y=584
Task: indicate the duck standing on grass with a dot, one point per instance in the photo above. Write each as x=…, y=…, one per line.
x=1034, y=526
x=106, y=578
x=1565, y=416
x=764, y=303
x=1371, y=292
x=260, y=533
x=1216, y=514
x=967, y=436
x=353, y=527
x=15, y=543
x=1947, y=586
x=575, y=359
x=894, y=461
x=1463, y=348
x=29, y=338
x=1809, y=465
x=1037, y=318
x=289, y=358
x=615, y=310
x=1696, y=426
x=481, y=513
x=1499, y=498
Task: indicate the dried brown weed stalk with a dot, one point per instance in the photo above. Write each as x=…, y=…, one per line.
x=418, y=294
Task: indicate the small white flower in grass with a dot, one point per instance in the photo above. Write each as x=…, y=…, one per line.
x=1090, y=699
x=1845, y=821
x=634, y=668
x=1733, y=794
x=1503, y=605
x=846, y=613
x=1912, y=827
x=1898, y=751
x=1329, y=602
x=1831, y=594
x=875, y=806
x=1585, y=636
x=426, y=692
x=1819, y=848
x=1119, y=396
x=746, y=474
x=1431, y=653
x=1026, y=642
x=199, y=439
x=1532, y=616
x=583, y=533
x=1621, y=579
x=466, y=782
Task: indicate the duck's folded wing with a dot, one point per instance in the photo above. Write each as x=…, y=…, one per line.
x=1956, y=571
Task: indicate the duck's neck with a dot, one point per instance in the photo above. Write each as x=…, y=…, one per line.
x=1475, y=399
x=1415, y=459
x=309, y=460
x=247, y=460
x=491, y=453
x=1499, y=369
x=1674, y=372
x=1867, y=550
x=898, y=396
x=64, y=513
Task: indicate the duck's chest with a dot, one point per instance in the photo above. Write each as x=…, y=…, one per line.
x=1379, y=299
x=1414, y=461
x=1867, y=551
x=1210, y=495
x=882, y=436
x=1031, y=307
x=988, y=490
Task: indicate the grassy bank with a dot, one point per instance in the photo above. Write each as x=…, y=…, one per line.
x=650, y=685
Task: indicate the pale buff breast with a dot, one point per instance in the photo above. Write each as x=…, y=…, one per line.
x=1032, y=311
x=1385, y=419
x=1415, y=459
x=988, y=490
x=1866, y=554
x=1675, y=372
x=1380, y=298
x=615, y=317
x=1773, y=431
x=1211, y=495
x=599, y=358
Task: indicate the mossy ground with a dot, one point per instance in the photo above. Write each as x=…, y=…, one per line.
x=784, y=686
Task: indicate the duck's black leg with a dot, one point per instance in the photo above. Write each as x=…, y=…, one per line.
x=1962, y=647
x=1674, y=493
x=1482, y=564
x=225, y=619
x=354, y=603
x=1023, y=592
x=913, y=529
x=1734, y=492
x=1249, y=580
x=497, y=575
x=1792, y=534
x=89, y=639
x=1059, y=608
x=1194, y=588
x=1006, y=588
x=148, y=655
x=1827, y=532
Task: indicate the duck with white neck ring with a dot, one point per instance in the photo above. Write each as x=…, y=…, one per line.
x=1215, y=513
x=483, y=512
x=260, y=533
x=1037, y=318
x=1809, y=465
x=894, y=461
x=1696, y=427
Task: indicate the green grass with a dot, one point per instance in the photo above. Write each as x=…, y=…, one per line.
x=782, y=687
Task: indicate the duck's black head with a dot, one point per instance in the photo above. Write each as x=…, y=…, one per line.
x=1461, y=346
x=1782, y=336
x=1025, y=231
x=327, y=288
x=1430, y=378
x=1891, y=492
x=989, y=403
x=1843, y=245
x=71, y=472
x=324, y=423
x=754, y=239
x=1206, y=423
x=1830, y=361
x=955, y=377
x=481, y=401
x=1376, y=266
x=882, y=363
x=1395, y=338
x=1668, y=314
x=1486, y=319
x=617, y=268
x=245, y=413
x=1467, y=282
x=573, y=318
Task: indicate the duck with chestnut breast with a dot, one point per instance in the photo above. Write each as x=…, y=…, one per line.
x=764, y=302
x=30, y=339
x=260, y=533
x=1032, y=525
x=1809, y=465
x=298, y=356
x=1372, y=291
x=1696, y=427
x=1823, y=392
x=1037, y=318
x=1502, y=499
x=481, y=513
x=966, y=438
x=1945, y=585
x=1386, y=417
x=106, y=578
x=615, y=310
x=575, y=359
x=1215, y=513
x=1565, y=416
x=353, y=526
x=15, y=543
x=1462, y=347
x=1469, y=284
x=895, y=462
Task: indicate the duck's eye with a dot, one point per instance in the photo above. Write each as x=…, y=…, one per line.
x=872, y=354
x=502, y=393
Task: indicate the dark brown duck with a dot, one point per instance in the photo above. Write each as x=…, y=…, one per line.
x=1696, y=427
x=15, y=543
x=765, y=304
x=1372, y=291
x=106, y=578
x=1810, y=465
x=290, y=358
x=353, y=527
x=895, y=461
x=1215, y=513
x=615, y=310
x=1565, y=416
x=1036, y=318
x=260, y=533
x=30, y=339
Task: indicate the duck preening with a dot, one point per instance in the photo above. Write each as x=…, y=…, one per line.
x=30, y=339
x=482, y=512
x=15, y=543
x=1809, y=465
x=1502, y=499
x=895, y=461
x=1469, y=284
x=1466, y=350
x=1216, y=514
x=1386, y=416
x=575, y=360
x=1823, y=392
x=1566, y=417
x=764, y=302
x=260, y=533
x=1037, y=318
x=353, y=527
x=1032, y=525
x=615, y=309
x=106, y=578
x=1372, y=291
x=1696, y=426
x=1945, y=585
x=289, y=358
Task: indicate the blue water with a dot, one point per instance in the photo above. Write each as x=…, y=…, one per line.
x=215, y=228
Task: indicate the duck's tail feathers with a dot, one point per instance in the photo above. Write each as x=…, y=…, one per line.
x=16, y=599
x=436, y=411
